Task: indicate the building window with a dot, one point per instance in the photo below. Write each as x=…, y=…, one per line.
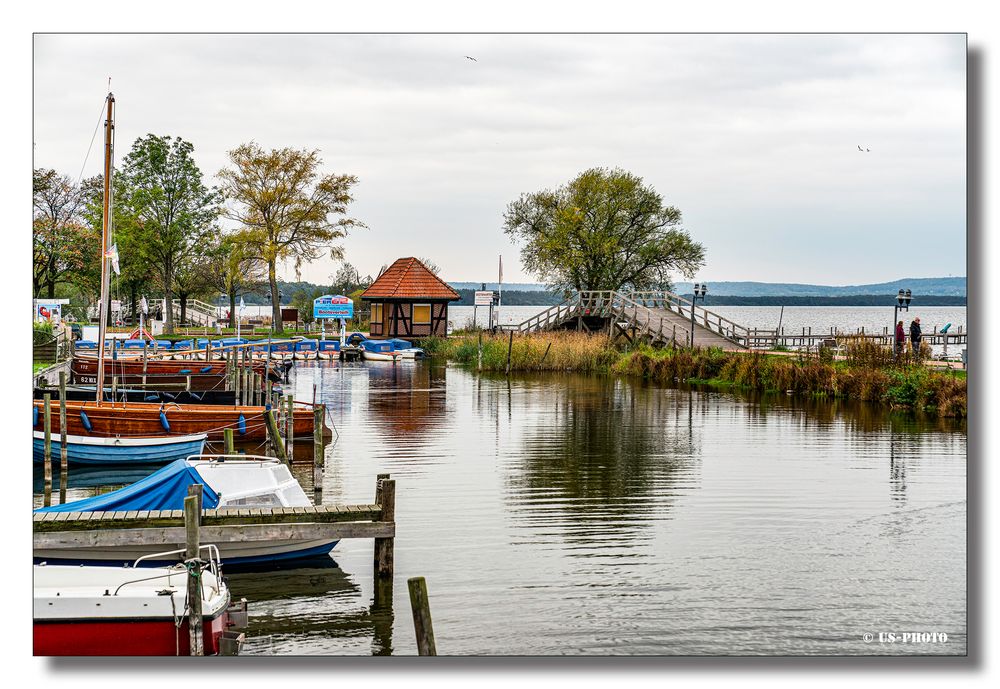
x=376, y=313
x=421, y=314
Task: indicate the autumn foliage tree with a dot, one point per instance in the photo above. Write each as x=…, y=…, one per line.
x=604, y=230
x=60, y=237
x=286, y=208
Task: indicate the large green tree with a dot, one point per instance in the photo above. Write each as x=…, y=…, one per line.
x=234, y=271
x=603, y=230
x=166, y=206
x=60, y=238
x=287, y=209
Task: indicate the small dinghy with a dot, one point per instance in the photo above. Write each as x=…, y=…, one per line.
x=405, y=349
x=379, y=350
x=112, y=611
x=82, y=449
x=243, y=481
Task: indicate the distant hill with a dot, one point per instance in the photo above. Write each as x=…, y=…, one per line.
x=950, y=287
x=513, y=286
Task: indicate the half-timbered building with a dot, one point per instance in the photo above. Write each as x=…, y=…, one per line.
x=409, y=301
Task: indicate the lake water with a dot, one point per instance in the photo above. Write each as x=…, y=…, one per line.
x=567, y=514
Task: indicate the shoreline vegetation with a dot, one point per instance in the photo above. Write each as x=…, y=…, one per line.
x=868, y=373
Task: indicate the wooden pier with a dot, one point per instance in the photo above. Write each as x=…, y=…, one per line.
x=72, y=533
x=665, y=318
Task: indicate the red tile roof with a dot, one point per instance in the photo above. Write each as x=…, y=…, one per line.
x=408, y=278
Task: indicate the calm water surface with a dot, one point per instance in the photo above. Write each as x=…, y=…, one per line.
x=586, y=515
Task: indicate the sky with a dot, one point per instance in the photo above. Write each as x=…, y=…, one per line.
x=754, y=138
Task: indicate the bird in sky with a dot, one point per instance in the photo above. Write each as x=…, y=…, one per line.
x=471, y=58
x=868, y=150
x=860, y=149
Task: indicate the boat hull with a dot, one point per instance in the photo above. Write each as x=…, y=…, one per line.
x=112, y=451
x=224, y=397
x=124, y=637
x=137, y=419
x=245, y=553
x=380, y=356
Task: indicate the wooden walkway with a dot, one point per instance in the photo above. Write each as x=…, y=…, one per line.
x=664, y=318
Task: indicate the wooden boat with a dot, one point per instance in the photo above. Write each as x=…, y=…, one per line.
x=137, y=419
x=110, y=451
x=240, y=481
x=112, y=611
x=150, y=394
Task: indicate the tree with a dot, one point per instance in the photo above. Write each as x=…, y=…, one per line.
x=346, y=279
x=170, y=209
x=284, y=206
x=603, y=230
x=430, y=265
x=234, y=271
x=60, y=239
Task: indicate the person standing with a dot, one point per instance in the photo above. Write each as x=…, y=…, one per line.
x=900, y=339
x=915, y=337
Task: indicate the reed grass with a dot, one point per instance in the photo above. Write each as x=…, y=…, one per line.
x=869, y=373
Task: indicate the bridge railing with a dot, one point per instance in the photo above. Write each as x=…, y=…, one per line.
x=608, y=303
x=709, y=319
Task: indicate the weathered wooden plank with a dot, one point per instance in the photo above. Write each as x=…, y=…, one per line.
x=62, y=521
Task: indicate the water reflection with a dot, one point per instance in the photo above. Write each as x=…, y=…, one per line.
x=600, y=459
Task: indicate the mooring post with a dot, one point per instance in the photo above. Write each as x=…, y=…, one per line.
x=192, y=526
x=386, y=497
x=319, y=411
x=422, y=616
x=479, y=361
x=47, y=457
x=289, y=426
x=510, y=345
x=227, y=434
x=274, y=436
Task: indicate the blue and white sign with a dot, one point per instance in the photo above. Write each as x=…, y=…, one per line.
x=333, y=306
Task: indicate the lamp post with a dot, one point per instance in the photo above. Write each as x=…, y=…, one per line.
x=700, y=290
x=903, y=298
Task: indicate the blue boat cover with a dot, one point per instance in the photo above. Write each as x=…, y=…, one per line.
x=162, y=490
x=398, y=344
x=85, y=344
x=377, y=345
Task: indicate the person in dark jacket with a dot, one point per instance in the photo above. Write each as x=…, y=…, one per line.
x=915, y=336
x=900, y=339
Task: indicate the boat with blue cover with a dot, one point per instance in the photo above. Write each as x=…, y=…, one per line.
x=406, y=349
x=240, y=481
x=378, y=350
x=82, y=449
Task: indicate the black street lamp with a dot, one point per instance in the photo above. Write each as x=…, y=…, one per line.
x=700, y=290
x=902, y=304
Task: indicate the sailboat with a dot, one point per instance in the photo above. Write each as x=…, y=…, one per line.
x=141, y=419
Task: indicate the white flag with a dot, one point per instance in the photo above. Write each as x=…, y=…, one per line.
x=242, y=305
x=113, y=255
x=143, y=306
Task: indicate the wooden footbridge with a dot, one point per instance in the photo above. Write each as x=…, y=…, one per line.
x=665, y=318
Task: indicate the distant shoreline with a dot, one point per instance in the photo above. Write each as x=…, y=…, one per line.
x=536, y=298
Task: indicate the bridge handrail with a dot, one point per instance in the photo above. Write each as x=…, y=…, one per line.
x=674, y=302
x=618, y=304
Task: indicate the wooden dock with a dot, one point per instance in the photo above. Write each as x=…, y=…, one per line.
x=665, y=318
x=75, y=532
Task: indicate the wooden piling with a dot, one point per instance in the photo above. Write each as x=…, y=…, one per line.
x=274, y=436
x=510, y=346
x=384, y=547
x=319, y=449
x=227, y=434
x=422, y=624
x=479, y=360
x=47, y=456
x=289, y=425
x=192, y=526
x=63, y=450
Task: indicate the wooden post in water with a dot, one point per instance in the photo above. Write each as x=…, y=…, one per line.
x=289, y=426
x=319, y=457
x=510, y=345
x=479, y=361
x=385, y=495
x=227, y=434
x=422, y=625
x=274, y=436
x=47, y=456
x=192, y=529
x=63, y=450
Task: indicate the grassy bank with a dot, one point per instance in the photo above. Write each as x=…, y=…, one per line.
x=869, y=374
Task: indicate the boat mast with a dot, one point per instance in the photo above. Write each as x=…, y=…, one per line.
x=109, y=125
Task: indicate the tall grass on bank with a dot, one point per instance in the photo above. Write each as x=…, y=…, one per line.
x=870, y=373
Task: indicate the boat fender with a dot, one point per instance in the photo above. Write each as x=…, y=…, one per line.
x=206, y=369
x=242, y=425
x=34, y=415
x=85, y=420
x=197, y=398
x=152, y=398
x=267, y=407
x=185, y=370
x=163, y=421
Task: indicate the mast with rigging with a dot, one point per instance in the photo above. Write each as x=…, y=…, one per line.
x=109, y=126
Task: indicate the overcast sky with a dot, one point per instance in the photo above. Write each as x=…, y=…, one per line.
x=754, y=138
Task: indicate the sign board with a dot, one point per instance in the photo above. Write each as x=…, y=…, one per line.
x=48, y=311
x=289, y=315
x=484, y=298
x=116, y=306
x=333, y=306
